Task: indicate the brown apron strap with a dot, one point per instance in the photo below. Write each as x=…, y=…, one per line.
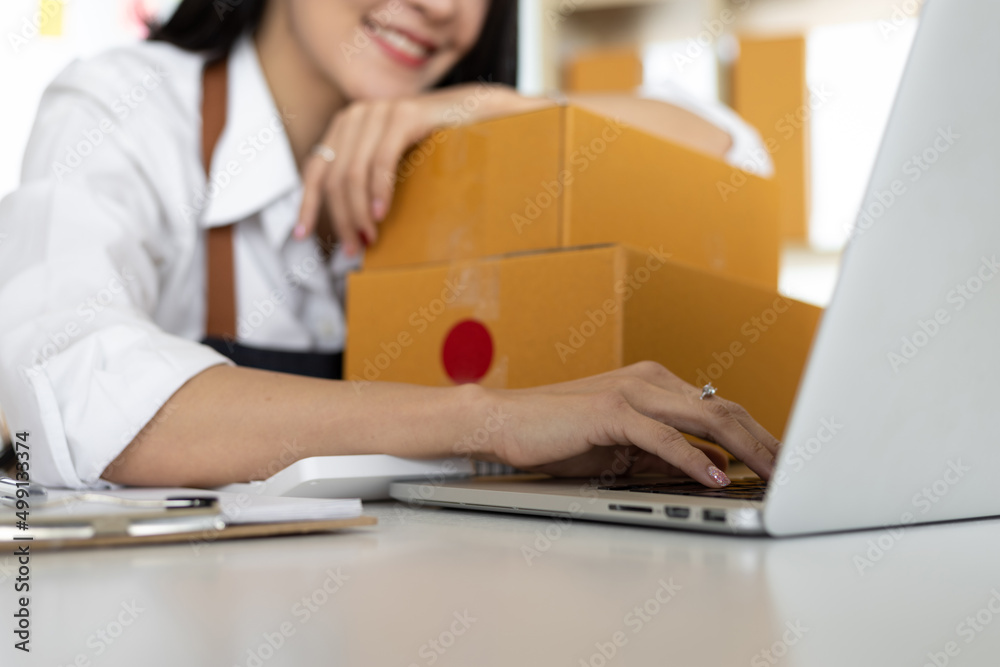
x=220, y=313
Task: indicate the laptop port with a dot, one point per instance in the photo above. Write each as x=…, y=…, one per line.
x=678, y=512
x=714, y=515
x=630, y=508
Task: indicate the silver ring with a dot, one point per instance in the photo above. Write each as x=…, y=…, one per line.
x=708, y=390
x=324, y=152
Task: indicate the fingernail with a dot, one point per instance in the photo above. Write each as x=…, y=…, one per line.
x=299, y=232
x=719, y=476
x=364, y=239
x=378, y=210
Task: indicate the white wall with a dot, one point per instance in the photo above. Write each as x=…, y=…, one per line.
x=29, y=60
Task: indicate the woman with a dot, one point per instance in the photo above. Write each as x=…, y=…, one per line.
x=102, y=276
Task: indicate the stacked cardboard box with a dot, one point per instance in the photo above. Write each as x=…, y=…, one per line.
x=559, y=244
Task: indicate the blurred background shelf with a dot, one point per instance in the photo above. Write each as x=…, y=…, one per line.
x=835, y=63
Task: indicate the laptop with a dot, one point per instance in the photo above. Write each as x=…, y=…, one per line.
x=896, y=417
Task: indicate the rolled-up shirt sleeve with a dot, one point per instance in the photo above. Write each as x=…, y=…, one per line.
x=84, y=366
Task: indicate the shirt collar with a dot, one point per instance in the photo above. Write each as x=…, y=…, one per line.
x=252, y=165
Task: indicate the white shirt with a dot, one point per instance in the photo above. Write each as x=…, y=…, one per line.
x=747, y=151
x=102, y=251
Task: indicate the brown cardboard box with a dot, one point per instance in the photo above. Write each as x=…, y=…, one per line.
x=538, y=318
x=769, y=91
x=564, y=177
x=456, y=190
x=604, y=70
x=643, y=191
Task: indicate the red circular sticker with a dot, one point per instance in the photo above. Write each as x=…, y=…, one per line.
x=467, y=352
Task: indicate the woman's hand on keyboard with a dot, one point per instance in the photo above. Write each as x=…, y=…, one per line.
x=636, y=415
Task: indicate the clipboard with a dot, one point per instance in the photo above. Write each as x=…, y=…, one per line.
x=204, y=536
x=70, y=520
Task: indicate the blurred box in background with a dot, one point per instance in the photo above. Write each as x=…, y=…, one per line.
x=770, y=93
x=604, y=70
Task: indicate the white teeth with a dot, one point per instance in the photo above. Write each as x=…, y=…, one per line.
x=401, y=42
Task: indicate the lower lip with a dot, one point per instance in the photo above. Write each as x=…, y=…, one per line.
x=397, y=55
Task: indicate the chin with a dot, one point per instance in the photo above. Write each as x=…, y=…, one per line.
x=379, y=88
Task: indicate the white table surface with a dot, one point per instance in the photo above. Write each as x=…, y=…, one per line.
x=406, y=581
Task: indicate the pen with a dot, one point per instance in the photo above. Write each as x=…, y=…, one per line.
x=38, y=496
x=9, y=491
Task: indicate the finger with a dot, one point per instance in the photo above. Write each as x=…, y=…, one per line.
x=606, y=462
x=359, y=173
x=710, y=419
x=718, y=455
x=648, y=464
x=397, y=139
x=343, y=138
x=312, y=196
x=749, y=423
x=668, y=444
x=655, y=374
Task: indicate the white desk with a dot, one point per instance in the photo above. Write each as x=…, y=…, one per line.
x=409, y=578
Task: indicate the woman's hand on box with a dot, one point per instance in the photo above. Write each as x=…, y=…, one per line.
x=368, y=139
x=636, y=414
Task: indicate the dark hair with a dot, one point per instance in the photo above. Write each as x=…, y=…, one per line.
x=215, y=25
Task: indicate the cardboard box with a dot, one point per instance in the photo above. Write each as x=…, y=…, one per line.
x=644, y=191
x=538, y=318
x=564, y=177
x=604, y=70
x=770, y=92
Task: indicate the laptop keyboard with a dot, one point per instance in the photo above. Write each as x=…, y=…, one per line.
x=739, y=489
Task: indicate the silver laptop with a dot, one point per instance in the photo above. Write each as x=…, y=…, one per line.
x=897, y=418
